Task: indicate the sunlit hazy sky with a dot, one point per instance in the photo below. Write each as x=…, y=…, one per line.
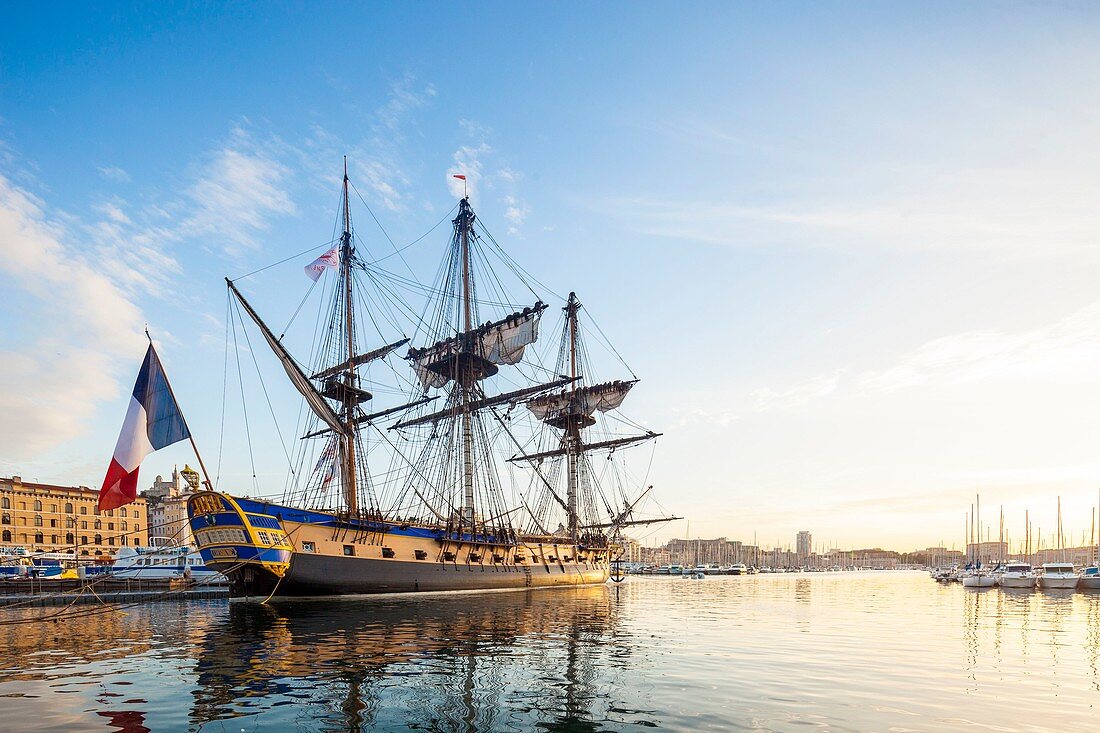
x=852, y=250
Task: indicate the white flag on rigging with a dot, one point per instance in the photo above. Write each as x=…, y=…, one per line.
x=317, y=267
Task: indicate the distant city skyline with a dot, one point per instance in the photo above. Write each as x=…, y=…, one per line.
x=851, y=251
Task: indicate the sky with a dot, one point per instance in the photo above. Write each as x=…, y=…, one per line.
x=851, y=249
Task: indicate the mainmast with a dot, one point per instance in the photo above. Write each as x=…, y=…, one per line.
x=350, y=398
x=467, y=379
x=573, y=429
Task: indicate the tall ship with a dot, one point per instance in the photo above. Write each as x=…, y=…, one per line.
x=489, y=470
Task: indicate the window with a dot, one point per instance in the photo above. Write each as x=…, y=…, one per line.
x=53, y=539
x=37, y=520
x=124, y=540
x=388, y=552
x=38, y=538
x=83, y=525
x=110, y=512
x=98, y=539
x=5, y=519
x=309, y=547
x=68, y=507
x=349, y=550
x=37, y=505
x=95, y=510
x=124, y=526
x=53, y=508
x=111, y=541
x=98, y=524
x=83, y=510
x=110, y=525
x=421, y=554
x=5, y=503
x=136, y=528
x=70, y=523
x=7, y=535
x=84, y=540
x=69, y=539
x=122, y=512
x=53, y=522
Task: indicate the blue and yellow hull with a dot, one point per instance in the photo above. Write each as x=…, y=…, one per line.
x=270, y=551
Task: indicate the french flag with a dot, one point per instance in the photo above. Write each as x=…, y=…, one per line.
x=153, y=421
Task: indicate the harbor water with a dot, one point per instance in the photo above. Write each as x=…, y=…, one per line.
x=864, y=651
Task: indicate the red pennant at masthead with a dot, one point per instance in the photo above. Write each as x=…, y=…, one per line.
x=153, y=421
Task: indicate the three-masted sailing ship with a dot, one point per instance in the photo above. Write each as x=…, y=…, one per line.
x=454, y=514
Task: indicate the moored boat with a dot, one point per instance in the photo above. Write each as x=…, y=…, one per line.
x=1058, y=575
x=1017, y=574
x=446, y=521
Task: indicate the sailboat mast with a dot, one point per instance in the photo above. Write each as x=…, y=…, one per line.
x=466, y=381
x=351, y=493
x=573, y=433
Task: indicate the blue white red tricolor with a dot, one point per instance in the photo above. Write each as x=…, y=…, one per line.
x=153, y=421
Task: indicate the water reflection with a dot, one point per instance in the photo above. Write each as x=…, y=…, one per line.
x=446, y=663
x=850, y=651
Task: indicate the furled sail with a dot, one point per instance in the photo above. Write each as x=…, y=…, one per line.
x=499, y=342
x=359, y=359
x=551, y=408
x=297, y=377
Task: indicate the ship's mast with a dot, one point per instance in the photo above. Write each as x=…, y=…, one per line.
x=351, y=494
x=573, y=432
x=466, y=380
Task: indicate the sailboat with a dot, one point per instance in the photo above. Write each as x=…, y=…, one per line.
x=448, y=521
x=975, y=576
x=1059, y=574
x=1090, y=576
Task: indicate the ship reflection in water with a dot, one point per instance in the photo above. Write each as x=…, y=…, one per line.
x=851, y=651
x=437, y=663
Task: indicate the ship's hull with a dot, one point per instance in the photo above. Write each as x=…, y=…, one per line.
x=272, y=552
x=1018, y=581
x=311, y=575
x=1058, y=581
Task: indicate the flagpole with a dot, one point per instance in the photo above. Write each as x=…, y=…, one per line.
x=190, y=436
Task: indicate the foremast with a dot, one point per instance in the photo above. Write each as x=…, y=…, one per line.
x=350, y=395
x=336, y=384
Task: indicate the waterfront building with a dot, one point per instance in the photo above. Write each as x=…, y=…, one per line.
x=987, y=552
x=167, y=501
x=50, y=518
x=804, y=545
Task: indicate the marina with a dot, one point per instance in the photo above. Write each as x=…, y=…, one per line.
x=556, y=368
x=781, y=650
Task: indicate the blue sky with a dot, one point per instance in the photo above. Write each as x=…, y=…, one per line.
x=850, y=248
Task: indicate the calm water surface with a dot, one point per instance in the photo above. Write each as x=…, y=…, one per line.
x=828, y=651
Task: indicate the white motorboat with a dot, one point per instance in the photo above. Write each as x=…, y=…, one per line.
x=1058, y=575
x=163, y=562
x=976, y=578
x=738, y=569
x=1018, y=575
x=1089, y=578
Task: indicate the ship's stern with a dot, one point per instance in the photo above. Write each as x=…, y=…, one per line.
x=251, y=550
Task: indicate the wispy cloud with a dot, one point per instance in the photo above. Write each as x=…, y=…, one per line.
x=516, y=211
x=54, y=379
x=467, y=162
x=240, y=189
x=1066, y=348
x=114, y=173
